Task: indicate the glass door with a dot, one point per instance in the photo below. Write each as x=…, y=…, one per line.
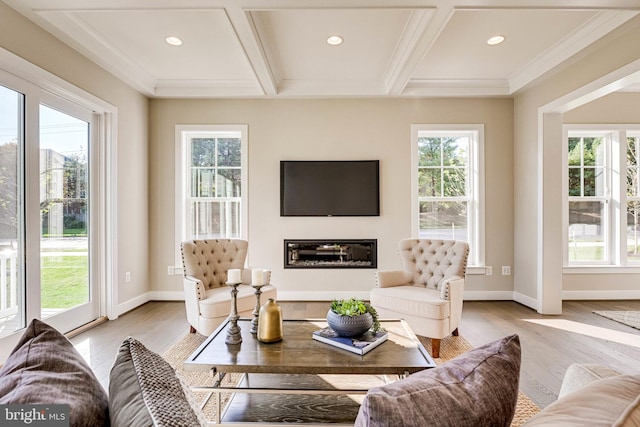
x=12, y=301
x=66, y=290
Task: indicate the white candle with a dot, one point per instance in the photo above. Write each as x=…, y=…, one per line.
x=266, y=277
x=257, y=277
x=234, y=276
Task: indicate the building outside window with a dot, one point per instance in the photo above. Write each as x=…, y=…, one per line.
x=602, y=208
x=448, y=185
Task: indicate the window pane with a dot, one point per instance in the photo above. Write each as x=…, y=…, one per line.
x=575, y=184
x=455, y=151
x=229, y=152
x=633, y=231
x=443, y=220
x=586, y=231
x=212, y=219
x=632, y=181
x=633, y=146
x=229, y=181
x=203, y=152
x=429, y=152
x=203, y=182
x=455, y=182
x=594, y=151
x=594, y=182
x=64, y=184
x=575, y=151
x=429, y=183
x=12, y=309
x=633, y=171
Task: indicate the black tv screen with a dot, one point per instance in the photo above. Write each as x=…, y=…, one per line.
x=329, y=188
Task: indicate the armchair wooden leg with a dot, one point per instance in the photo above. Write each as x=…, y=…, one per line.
x=435, y=348
x=455, y=332
x=192, y=330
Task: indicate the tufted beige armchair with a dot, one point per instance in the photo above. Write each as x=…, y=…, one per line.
x=207, y=297
x=427, y=292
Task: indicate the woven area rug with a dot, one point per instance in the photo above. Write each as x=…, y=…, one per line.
x=629, y=318
x=449, y=349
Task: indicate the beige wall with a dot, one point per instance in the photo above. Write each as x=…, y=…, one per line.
x=331, y=129
x=21, y=37
x=612, y=52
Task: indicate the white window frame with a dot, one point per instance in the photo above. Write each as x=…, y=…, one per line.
x=183, y=135
x=615, y=197
x=476, y=200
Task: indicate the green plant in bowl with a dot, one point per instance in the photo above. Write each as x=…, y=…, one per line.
x=353, y=307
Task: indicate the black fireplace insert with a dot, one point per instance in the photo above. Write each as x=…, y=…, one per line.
x=337, y=253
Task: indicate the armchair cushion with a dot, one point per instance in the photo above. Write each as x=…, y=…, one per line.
x=413, y=301
x=478, y=388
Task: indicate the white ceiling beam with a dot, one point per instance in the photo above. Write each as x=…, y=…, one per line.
x=413, y=32
x=417, y=46
x=599, y=26
x=248, y=37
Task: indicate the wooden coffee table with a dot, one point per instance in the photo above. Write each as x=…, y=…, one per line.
x=300, y=368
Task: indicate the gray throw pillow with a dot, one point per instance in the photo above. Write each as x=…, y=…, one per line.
x=144, y=390
x=478, y=388
x=45, y=368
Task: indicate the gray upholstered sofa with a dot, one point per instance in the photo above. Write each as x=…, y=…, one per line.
x=593, y=395
x=478, y=388
x=144, y=390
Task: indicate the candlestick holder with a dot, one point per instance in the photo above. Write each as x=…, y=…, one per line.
x=234, y=335
x=256, y=310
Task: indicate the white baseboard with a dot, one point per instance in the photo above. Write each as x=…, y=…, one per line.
x=526, y=301
x=488, y=296
x=133, y=303
x=331, y=295
x=166, y=296
x=603, y=295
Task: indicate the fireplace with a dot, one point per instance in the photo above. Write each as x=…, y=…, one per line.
x=337, y=253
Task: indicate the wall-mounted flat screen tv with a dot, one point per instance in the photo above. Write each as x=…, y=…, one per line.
x=329, y=188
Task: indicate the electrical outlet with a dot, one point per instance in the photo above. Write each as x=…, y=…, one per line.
x=506, y=270
x=127, y=276
x=170, y=270
x=488, y=270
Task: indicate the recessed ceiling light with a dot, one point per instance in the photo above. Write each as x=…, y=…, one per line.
x=173, y=40
x=492, y=41
x=334, y=40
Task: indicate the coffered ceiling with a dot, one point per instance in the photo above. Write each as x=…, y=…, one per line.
x=278, y=48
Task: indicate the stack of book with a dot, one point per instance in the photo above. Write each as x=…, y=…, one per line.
x=360, y=345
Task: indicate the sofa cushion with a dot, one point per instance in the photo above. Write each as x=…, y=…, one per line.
x=478, y=388
x=45, y=368
x=613, y=401
x=579, y=375
x=144, y=390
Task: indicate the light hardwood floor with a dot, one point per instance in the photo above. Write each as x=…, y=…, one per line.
x=549, y=343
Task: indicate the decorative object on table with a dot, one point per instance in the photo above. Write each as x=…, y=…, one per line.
x=259, y=278
x=234, y=336
x=270, y=328
x=360, y=345
x=352, y=317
